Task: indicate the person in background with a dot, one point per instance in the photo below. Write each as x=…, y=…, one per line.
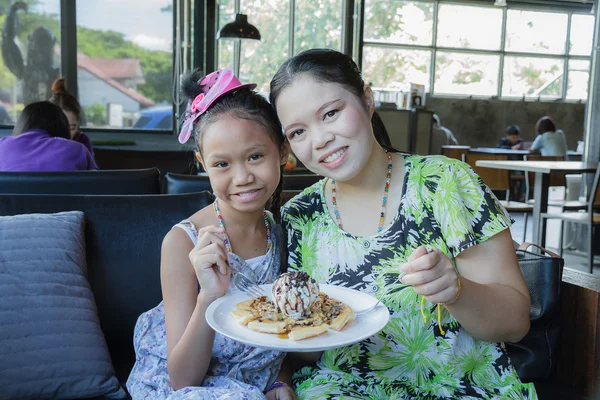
x=70, y=106
x=512, y=140
x=549, y=140
x=41, y=142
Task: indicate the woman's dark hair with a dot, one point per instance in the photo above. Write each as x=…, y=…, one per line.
x=64, y=99
x=329, y=66
x=45, y=116
x=242, y=104
x=545, y=124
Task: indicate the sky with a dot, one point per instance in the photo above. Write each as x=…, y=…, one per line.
x=141, y=21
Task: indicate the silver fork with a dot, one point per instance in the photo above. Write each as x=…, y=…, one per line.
x=369, y=309
x=247, y=282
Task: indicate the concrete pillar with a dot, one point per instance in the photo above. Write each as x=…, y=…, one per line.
x=592, y=110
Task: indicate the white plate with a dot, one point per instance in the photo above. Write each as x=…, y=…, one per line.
x=218, y=317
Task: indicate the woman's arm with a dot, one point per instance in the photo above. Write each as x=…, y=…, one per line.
x=494, y=303
x=189, y=337
x=537, y=144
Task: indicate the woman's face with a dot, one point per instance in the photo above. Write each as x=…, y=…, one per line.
x=242, y=162
x=73, y=122
x=328, y=127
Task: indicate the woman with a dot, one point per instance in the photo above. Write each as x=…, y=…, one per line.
x=425, y=225
x=41, y=142
x=549, y=141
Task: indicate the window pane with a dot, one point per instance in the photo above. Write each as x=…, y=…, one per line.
x=125, y=63
x=318, y=24
x=385, y=68
x=582, y=34
x=225, y=47
x=408, y=22
x=467, y=74
x=536, y=32
x=260, y=59
x=579, y=76
x=532, y=77
x=469, y=27
x=30, y=55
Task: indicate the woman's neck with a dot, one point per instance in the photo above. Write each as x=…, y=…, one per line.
x=370, y=179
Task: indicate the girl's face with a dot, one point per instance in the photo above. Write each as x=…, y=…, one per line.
x=73, y=122
x=242, y=162
x=328, y=127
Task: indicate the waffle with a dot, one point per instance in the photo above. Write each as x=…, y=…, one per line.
x=261, y=315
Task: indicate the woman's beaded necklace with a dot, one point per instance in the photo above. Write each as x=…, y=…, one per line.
x=226, y=238
x=383, y=202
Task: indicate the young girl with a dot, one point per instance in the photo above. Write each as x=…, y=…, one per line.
x=239, y=144
x=426, y=227
x=70, y=106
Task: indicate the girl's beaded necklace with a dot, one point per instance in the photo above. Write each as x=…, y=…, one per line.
x=226, y=238
x=383, y=203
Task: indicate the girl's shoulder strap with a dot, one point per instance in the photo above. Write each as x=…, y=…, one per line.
x=189, y=228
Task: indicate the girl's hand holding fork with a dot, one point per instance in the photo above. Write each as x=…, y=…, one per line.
x=209, y=259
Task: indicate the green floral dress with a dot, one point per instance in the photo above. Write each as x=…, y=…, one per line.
x=444, y=205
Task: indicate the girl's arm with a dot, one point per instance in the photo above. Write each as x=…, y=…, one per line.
x=493, y=304
x=537, y=143
x=189, y=337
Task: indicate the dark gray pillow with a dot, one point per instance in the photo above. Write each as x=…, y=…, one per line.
x=51, y=344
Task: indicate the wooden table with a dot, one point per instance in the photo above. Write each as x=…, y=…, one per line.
x=498, y=151
x=542, y=171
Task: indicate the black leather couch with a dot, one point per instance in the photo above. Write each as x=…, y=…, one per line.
x=129, y=181
x=123, y=241
x=180, y=183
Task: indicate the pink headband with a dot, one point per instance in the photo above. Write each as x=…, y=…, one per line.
x=214, y=85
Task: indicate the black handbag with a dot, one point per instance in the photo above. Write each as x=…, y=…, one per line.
x=535, y=356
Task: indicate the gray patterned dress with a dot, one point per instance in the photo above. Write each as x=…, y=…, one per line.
x=236, y=371
x=444, y=205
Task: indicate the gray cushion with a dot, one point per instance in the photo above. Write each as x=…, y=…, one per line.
x=51, y=344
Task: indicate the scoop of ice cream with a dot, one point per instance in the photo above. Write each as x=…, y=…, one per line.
x=294, y=292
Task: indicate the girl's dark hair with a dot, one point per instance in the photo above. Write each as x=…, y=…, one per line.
x=545, y=124
x=329, y=66
x=64, y=99
x=242, y=104
x=45, y=116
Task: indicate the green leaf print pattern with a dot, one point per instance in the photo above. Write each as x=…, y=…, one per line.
x=444, y=206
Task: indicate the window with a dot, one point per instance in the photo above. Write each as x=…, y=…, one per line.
x=460, y=73
x=469, y=27
x=579, y=76
x=317, y=23
x=391, y=68
x=403, y=22
x=582, y=35
x=533, y=77
x=462, y=49
x=30, y=55
x=124, y=64
x=536, y=32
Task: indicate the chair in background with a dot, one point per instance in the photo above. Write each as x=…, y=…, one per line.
x=499, y=180
x=457, y=152
x=588, y=218
x=180, y=183
x=106, y=182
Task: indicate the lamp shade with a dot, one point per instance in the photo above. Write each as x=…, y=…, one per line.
x=239, y=29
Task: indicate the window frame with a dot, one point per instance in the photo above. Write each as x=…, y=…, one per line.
x=502, y=52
